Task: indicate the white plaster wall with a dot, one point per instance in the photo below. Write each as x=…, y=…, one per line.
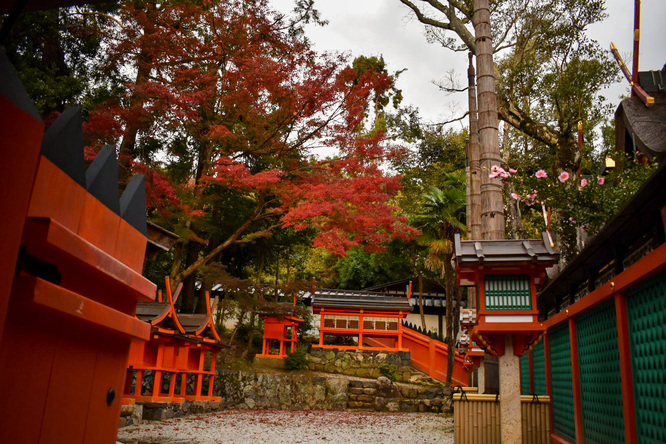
x=432, y=321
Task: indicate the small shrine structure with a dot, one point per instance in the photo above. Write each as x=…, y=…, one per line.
x=280, y=333
x=160, y=355
x=179, y=357
x=362, y=315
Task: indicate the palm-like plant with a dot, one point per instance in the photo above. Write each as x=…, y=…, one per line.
x=442, y=216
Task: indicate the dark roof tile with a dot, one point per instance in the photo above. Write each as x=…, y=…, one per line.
x=331, y=298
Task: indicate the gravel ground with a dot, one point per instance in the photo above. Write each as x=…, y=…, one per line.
x=284, y=426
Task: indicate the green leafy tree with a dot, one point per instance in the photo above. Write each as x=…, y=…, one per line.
x=550, y=72
x=577, y=206
x=442, y=216
x=56, y=54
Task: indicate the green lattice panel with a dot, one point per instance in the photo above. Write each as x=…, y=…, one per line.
x=525, y=374
x=564, y=423
x=539, y=368
x=646, y=307
x=600, y=381
x=510, y=292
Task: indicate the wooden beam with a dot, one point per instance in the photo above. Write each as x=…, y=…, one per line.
x=575, y=383
x=628, y=405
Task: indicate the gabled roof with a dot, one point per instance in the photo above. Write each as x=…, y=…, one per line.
x=365, y=300
x=505, y=252
x=653, y=81
x=161, y=314
x=641, y=128
x=430, y=287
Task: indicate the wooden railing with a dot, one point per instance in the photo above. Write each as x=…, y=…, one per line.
x=431, y=357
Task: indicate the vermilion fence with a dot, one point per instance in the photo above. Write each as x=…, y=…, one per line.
x=603, y=359
x=431, y=357
x=428, y=355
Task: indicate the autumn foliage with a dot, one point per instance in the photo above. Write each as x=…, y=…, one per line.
x=226, y=101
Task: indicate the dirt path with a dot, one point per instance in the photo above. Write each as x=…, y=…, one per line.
x=284, y=426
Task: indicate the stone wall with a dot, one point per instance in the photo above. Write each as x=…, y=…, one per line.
x=240, y=389
x=326, y=392
x=361, y=363
x=159, y=411
x=381, y=395
x=299, y=391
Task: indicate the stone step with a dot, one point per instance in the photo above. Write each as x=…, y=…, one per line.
x=419, y=377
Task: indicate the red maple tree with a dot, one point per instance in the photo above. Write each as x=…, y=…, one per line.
x=234, y=101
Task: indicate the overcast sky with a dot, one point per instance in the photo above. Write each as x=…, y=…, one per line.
x=385, y=27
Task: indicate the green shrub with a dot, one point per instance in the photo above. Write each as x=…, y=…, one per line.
x=297, y=360
x=389, y=370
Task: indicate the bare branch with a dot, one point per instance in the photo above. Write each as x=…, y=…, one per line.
x=440, y=124
x=450, y=83
x=422, y=18
x=101, y=14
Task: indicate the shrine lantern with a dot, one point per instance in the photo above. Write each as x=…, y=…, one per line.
x=505, y=274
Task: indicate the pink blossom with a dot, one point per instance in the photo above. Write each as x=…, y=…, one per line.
x=532, y=196
x=515, y=196
x=513, y=170
x=498, y=171
x=563, y=177
x=601, y=180
x=541, y=174
x=583, y=182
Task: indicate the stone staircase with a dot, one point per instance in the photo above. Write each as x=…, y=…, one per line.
x=420, y=378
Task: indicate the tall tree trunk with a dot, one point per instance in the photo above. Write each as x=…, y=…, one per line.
x=451, y=291
x=492, y=208
x=144, y=62
x=206, y=286
x=251, y=329
x=288, y=266
x=473, y=155
x=239, y=322
x=188, y=297
x=177, y=262
x=474, y=170
x=423, y=322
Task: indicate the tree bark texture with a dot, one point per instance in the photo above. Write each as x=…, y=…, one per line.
x=492, y=208
x=474, y=156
x=423, y=321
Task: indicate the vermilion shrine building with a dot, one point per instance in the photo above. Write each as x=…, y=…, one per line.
x=177, y=363
x=363, y=316
x=280, y=335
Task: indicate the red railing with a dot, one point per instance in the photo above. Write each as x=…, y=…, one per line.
x=428, y=355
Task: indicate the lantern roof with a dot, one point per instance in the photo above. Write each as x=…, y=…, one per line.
x=475, y=253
